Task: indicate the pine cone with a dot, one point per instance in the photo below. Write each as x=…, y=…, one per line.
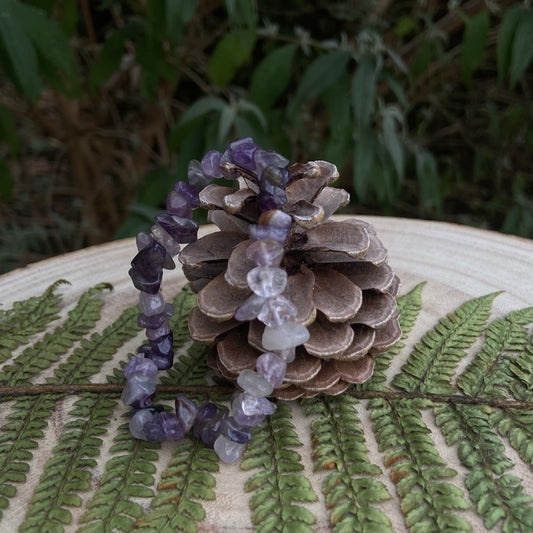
x=338, y=279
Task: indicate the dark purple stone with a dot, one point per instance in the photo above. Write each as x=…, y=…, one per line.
x=270, y=197
x=178, y=205
x=198, y=179
x=234, y=431
x=154, y=321
x=242, y=153
x=208, y=423
x=159, y=351
x=172, y=426
x=260, y=231
x=144, y=402
x=266, y=158
x=186, y=411
x=147, y=268
x=154, y=429
x=276, y=176
x=188, y=192
x=181, y=229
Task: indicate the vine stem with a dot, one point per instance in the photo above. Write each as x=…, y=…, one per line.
x=116, y=389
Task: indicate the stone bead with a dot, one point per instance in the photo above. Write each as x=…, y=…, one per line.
x=266, y=252
x=276, y=311
x=289, y=354
x=198, y=179
x=275, y=218
x=151, y=304
x=137, y=388
x=147, y=268
x=265, y=158
x=242, y=153
x=155, y=432
x=161, y=351
x=267, y=281
x=211, y=164
x=272, y=367
x=138, y=421
x=183, y=230
x=285, y=336
x=172, y=426
x=277, y=176
x=250, y=308
x=162, y=237
x=140, y=366
x=227, y=450
x=178, y=205
x=154, y=321
x=208, y=424
x=190, y=192
x=254, y=383
x=270, y=197
x=234, y=431
x=250, y=410
x=142, y=240
x=163, y=329
x=186, y=411
x=261, y=231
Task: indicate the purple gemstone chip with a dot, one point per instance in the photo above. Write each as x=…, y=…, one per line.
x=211, y=163
x=147, y=268
x=183, y=230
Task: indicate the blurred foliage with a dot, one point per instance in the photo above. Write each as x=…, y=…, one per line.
x=424, y=106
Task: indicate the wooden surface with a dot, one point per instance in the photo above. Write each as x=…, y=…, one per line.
x=458, y=263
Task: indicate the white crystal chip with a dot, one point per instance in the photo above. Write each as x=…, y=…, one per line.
x=254, y=384
x=285, y=336
x=267, y=281
x=138, y=421
x=227, y=450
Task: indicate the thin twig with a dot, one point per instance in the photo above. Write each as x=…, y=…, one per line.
x=113, y=389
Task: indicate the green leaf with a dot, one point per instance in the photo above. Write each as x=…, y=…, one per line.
x=20, y=51
x=178, y=15
x=522, y=49
x=321, y=74
x=271, y=77
x=392, y=139
x=202, y=107
x=363, y=165
x=473, y=45
x=364, y=90
x=428, y=179
x=506, y=35
x=230, y=53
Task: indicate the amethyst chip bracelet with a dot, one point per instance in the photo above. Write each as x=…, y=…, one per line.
x=265, y=172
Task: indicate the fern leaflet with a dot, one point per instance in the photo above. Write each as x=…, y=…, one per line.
x=277, y=485
x=431, y=364
x=339, y=445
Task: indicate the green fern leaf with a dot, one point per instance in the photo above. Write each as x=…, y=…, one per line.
x=432, y=363
x=276, y=487
x=339, y=444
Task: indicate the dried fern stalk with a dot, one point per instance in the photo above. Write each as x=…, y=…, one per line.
x=338, y=278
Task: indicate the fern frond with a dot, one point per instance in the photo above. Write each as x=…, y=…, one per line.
x=184, y=301
x=68, y=472
x=128, y=474
x=277, y=486
x=409, y=306
x=190, y=368
x=47, y=351
x=489, y=371
x=187, y=478
x=339, y=445
x=431, y=364
x=417, y=468
x=27, y=318
x=498, y=496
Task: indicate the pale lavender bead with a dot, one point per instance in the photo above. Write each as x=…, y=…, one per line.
x=137, y=388
x=242, y=153
x=162, y=237
x=211, y=163
x=272, y=367
x=249, y=410
x=138, y=422
x=250, y=308
x=260, y=231
x=241, y=417
x=155, y=432
x=265, y=158
x=151, y=304
x=186, y=411
x=285, y=336
x=140, y=366
x=190, y=191
x=154, y=321
x=279, y=219
x=198, y=179
x=163, y=329
x=289, y=354
x=143, y=240
x=254, y=383
x=177, y=204
x=227, y=450
x=234, y=431
x=172, y=426
x=267, y=281
x=276, y=311
x=266, y=252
